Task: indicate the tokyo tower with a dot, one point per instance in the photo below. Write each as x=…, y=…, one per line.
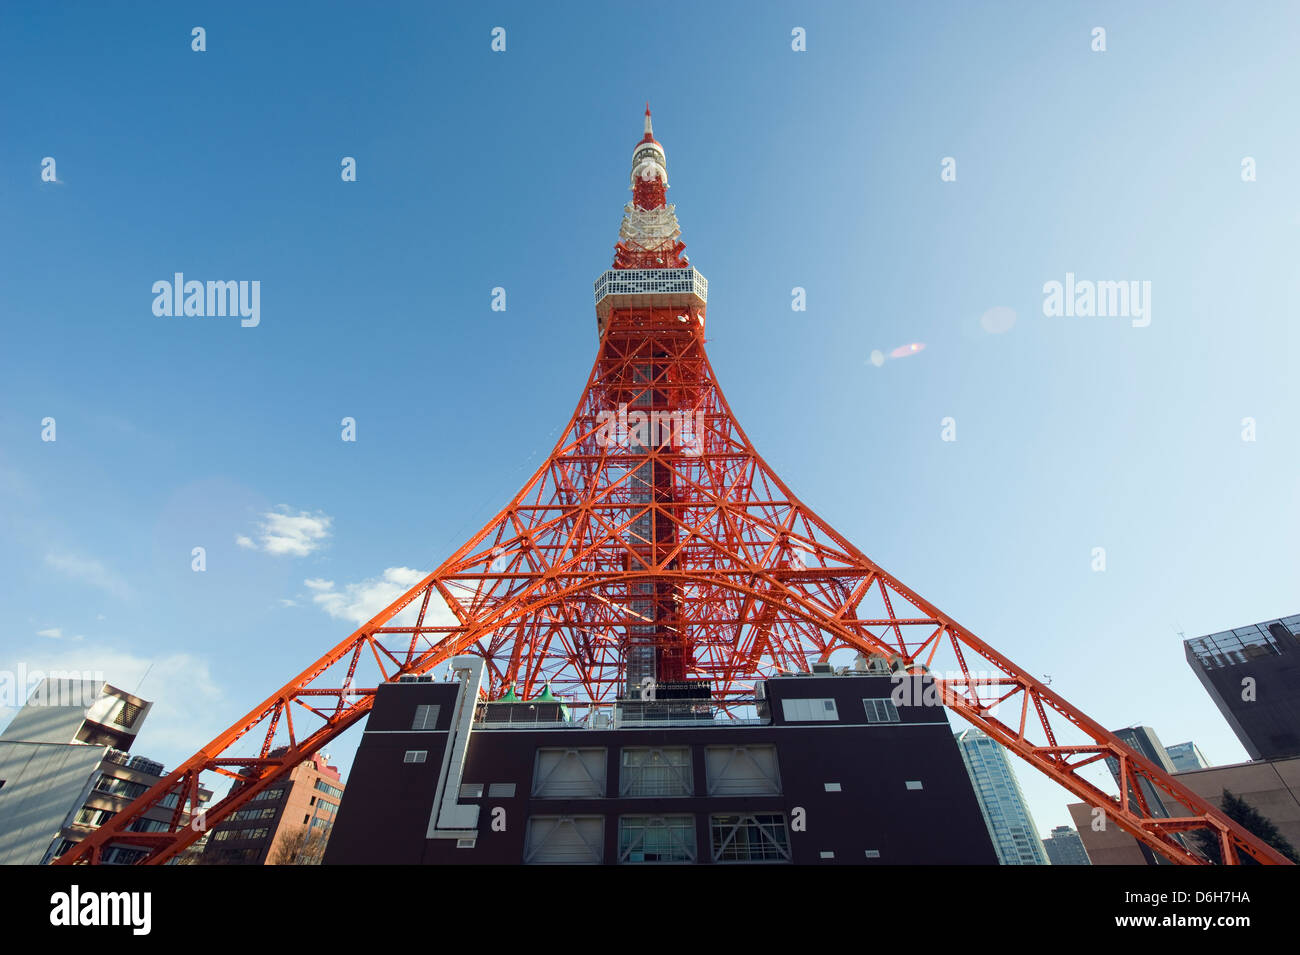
x=656, y=552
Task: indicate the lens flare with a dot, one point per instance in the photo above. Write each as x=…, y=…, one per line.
x=902, y=351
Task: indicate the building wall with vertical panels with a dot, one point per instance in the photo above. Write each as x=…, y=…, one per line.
x=44, y=783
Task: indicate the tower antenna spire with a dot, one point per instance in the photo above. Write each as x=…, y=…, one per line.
x=649, y=238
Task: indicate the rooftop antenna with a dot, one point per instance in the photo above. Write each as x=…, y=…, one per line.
x=143, y=678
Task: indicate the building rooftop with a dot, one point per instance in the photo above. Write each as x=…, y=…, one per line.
x=1241, y=644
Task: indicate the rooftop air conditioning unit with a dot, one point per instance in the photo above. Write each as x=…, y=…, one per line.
x=826, y=668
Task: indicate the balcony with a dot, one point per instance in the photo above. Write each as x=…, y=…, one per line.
x=624, y=714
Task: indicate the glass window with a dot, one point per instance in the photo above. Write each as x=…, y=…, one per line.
x=661, y=771
x=811, y=710
x=656, y=839
x=760, y=837
x=426, y=717
x=881, y=711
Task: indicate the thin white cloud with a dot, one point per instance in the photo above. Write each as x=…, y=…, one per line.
x=358, y=602
x=282, y=533
x=54, y=633
x=89, y=571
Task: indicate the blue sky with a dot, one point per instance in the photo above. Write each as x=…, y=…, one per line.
x=476, y=169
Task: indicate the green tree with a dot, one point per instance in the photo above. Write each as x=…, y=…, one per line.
x=1254, y=822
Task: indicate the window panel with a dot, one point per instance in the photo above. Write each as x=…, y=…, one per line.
x=656, y=771
x=570, y=773
x=656, y=838
x=759, y=837
x=809, y=710
x=742, y=770
x=880, y=711
x=565, y=840
x=426, y=716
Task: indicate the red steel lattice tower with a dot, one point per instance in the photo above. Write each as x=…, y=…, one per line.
x=655, y=546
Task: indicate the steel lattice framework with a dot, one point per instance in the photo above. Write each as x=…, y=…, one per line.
x=655, y=542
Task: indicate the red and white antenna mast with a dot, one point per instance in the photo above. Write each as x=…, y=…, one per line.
x=649, y=236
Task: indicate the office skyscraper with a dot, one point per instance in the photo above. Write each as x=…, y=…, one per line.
x=1064, y=847
x=1187, y=756
x=1015, y=837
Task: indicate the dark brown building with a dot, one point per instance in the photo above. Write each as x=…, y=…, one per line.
x=827, y=769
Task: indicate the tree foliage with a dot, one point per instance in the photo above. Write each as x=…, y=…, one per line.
x=1254, y=822
x=299, y=847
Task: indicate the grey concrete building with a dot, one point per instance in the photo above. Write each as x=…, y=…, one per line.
x=65, y=770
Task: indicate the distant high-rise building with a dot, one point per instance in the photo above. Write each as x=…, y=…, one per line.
x=1253, y=674
x=1187, y=756
x=1144, y=741
x=1064, y=847
x=64, y=771
x=1015, y=837
x=290, y=823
